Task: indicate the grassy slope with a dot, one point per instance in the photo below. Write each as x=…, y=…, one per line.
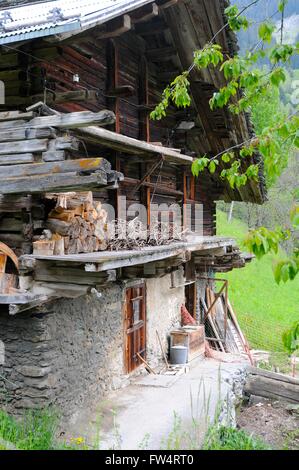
x=264, y=308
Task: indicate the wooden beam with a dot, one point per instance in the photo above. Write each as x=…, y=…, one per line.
x=122, y=91
x=10, y=135
x=132, y=146
x=145, y=13
x=67, y=166
x=62, y=182
x=157, y=26
x=116, y=27
x=74, y=120
x=15, y=115
x=271, y=385
x=16, y=159
x=25, y=146
x=85, y=95
x=163, y=4
x=161, y=54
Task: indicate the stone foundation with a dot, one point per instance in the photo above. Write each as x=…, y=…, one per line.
x=71, y=356
x=68, y=357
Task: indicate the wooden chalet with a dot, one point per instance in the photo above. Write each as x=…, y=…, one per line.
x=80, y=79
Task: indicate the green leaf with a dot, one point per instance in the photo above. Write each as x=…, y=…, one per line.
x=199, y=165
x=282, y=4
x=266, y=31
x=212, y=167
x=227, y=157
x=282, y=52
x=277, y=77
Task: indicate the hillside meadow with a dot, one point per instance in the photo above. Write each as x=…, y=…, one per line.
x=264, y=308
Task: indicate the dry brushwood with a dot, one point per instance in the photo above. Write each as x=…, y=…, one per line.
x=133, y=235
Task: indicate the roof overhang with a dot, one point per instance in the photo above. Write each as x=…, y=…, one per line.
x=36, y=20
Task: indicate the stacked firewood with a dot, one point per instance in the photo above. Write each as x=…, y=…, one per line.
x=77, y=224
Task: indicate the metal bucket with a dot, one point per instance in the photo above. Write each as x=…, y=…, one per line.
x=178, y=354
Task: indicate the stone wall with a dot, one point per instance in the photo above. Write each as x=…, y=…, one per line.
x=72, y=355
x=68, y=357
x=163, y=312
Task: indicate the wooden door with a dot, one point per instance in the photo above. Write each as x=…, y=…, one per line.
x=134, y=326
x=190, y=288
x=190, y=299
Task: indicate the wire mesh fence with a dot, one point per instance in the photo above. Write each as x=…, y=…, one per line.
x=265, y=338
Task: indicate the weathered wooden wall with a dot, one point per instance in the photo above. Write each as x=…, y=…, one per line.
x=116, y=74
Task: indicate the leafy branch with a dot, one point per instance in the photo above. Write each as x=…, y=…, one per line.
x=246, y=83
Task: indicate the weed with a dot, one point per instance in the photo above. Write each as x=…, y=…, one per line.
x=225, y=438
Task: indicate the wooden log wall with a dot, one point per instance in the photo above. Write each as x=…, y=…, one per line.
x=116, y=73
x=22, y=218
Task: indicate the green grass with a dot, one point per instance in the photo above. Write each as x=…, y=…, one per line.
x=224, y=438
x=264, y=308
x=35, y=431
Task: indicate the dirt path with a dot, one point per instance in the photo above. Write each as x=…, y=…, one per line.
x=276, y=424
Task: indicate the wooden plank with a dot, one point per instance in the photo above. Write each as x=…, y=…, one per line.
x=15, y=115
x=274, y=376
x=62, y=182
x=274, y=389
x=129, y=145
x=145, y=13
x=12, y=124
x=166, y=3
x=26, y=146
x=64, y=275
x=15, y=203
x=116, y=27
x=162, y=54
x=157, y=26
x=74, y=120
x=53, y=156
x=82, y=165
x=11, y=224
x=11, y=135
x=19, y=158
x=15, y=298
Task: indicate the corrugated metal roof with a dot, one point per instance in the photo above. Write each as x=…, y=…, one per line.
x=58, y=16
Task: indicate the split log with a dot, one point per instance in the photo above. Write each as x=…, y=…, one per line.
x=58, y=226
x=8, y=282
x=44, y=247
x=76, y=225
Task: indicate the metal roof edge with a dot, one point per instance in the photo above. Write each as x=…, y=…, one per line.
x=38, y=33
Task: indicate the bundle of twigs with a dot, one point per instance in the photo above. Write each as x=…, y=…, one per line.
x=133, y=235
